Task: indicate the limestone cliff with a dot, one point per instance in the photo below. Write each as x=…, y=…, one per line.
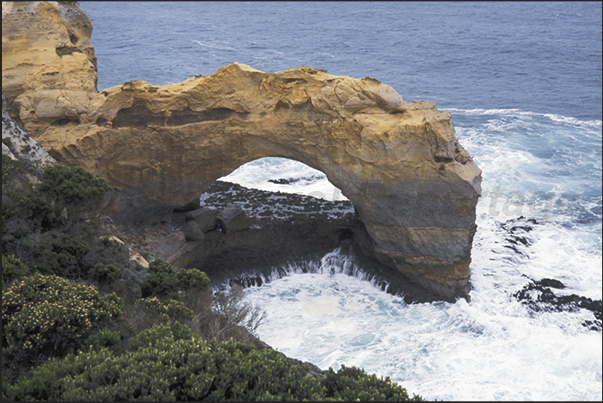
x=413, y=185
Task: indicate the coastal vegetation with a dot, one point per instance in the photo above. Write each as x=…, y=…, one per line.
x=81, y=322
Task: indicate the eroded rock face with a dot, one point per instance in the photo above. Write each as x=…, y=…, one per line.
x=413, y=185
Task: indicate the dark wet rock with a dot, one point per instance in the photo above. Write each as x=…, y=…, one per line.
x=204, y=217
x=192, y=232
x=540, y=298
x=232, y=219
x=550, y=282
x=285, y=229
x=283, y=181
x=518, y=238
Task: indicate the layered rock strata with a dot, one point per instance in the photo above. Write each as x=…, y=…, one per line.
x=413, y=185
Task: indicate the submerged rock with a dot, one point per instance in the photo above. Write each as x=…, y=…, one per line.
x=538, y=296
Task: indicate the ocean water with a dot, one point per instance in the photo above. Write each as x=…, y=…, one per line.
x=522, y=81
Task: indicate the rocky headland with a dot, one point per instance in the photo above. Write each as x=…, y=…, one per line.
x=412, y=185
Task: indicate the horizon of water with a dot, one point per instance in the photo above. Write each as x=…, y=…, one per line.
x=522, y=81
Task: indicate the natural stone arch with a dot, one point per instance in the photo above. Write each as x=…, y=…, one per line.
x=415, y=188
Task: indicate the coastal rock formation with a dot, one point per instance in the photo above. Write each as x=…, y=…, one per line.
x=412, y=184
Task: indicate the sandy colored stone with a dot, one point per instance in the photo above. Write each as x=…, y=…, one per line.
x=412, y=183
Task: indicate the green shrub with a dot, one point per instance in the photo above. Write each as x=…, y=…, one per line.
x=70, y=185
x=19, y=200
x=352, y=383
x=165, y=312
x=161, y=279
x=192, y=279
x=169, y=363
x=66, y=50
x=10, y=167
x=108, y=252
x=48, y=314
x=60, y=254
x=106, y=273
x=104, y=338
x=170, y=367
x=150, y=337
x=110, y=243
x=161, y=266
x=13, y=268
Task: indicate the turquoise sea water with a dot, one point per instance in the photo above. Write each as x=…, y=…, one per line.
x=522, y=81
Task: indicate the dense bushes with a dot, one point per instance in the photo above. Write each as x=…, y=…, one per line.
x=163, y=279
x=48, y=315
x=13, y=268
x=192, y=279
x=61, y=197
x=71, y=185
x=105, y=273
x=170, y=363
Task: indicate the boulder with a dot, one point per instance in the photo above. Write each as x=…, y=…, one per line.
x=232, y=219
x=137, y=262
x=192, y=232
x=204, y=217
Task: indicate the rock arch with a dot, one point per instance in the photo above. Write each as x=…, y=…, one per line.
x=414, y=186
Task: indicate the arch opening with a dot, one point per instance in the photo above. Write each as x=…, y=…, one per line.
x=292, y=216
x=280, y=174
x=298, y=222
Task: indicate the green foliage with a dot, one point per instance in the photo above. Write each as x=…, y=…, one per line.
x=59, y=198
x=352, y=383
x=192, y=279
x=109, y=242
x=13, y=268
x=10, y=168
x=169, y=363
x=170, y=367
x=106, y=273
x=165, y=312
x=108, y=252
x=48, y=314
x=161, y=266
x=104, y=338
x=60, y=254
x=161, y=280
x=19, y=200
x=152, y=336
x=70, y=185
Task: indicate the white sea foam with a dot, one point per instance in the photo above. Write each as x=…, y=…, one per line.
x=461, y=351
x=539, y=166
x=306, y=181
x=513, y=112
